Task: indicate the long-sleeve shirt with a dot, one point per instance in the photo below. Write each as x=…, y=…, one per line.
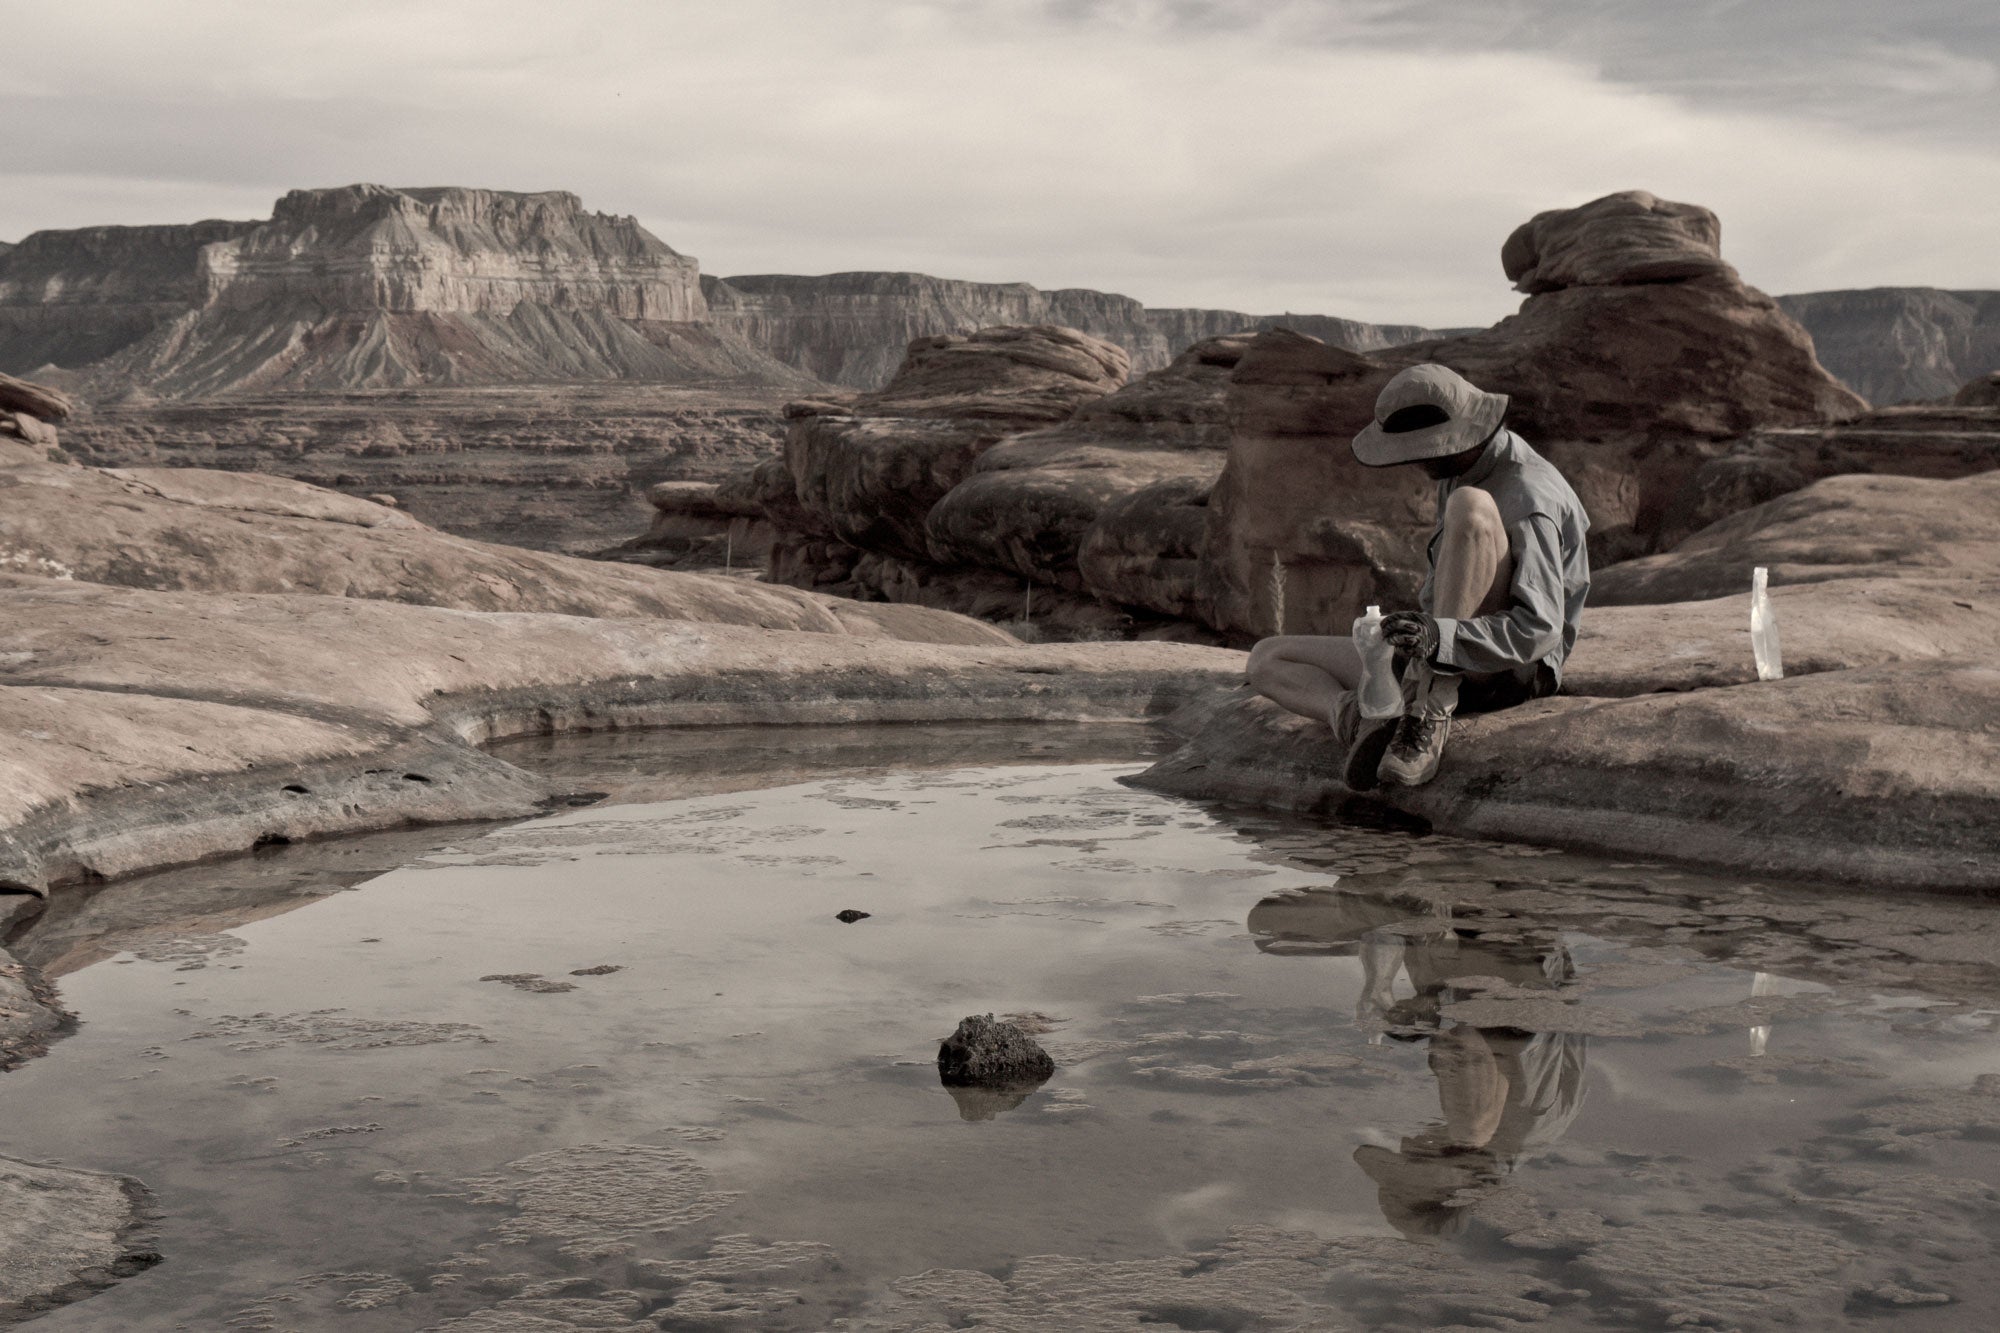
x=1545, y=526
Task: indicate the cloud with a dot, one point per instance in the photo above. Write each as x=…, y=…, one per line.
x=1356, y=159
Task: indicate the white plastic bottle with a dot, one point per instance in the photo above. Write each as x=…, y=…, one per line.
x=1764, y=628
x=1381, y=694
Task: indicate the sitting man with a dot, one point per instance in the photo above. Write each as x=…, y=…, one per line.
x=1499, y=607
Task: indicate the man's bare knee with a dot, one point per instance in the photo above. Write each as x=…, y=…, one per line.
x=1471, y=512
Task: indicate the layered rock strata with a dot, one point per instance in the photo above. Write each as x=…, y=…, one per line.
x=1902, y=344
x=850, y=329
x=368, y=287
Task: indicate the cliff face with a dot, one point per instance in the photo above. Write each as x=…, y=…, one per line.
x=69, y=298
x=1902, y=344
x=366, y=287
x=851, y=328
x=367, y=248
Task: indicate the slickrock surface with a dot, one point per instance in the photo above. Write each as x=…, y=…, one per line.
x=554, y=467
x=186, y=528
x=1876, y=759
x=1902, y=344
x=1841, y=528
x=144, y=728
x=66, y=1233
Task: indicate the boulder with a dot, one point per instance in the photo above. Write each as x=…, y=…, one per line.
x=1637, y=352
x=1031, y=501
x=25, y=426
x=1623, y=239
x=868, y=470
x=37, y=400
x=985, y=1052
x=1981, y=392
x=1844, y=527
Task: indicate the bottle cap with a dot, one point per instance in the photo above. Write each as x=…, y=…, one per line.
x=1374, y=613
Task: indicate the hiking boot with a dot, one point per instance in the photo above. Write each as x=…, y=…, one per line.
x=1365, y=739
x=1416, y=748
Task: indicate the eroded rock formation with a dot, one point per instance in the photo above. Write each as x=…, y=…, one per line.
x=367, y=287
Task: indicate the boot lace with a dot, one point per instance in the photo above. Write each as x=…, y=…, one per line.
x=1414, y=731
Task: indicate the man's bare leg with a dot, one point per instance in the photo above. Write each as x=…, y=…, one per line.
x=1474, y=576
x=1475, y=571
x=1305, y=673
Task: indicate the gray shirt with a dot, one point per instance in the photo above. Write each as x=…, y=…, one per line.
x=1545, y=529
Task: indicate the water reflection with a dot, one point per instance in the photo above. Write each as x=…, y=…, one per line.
x=1503, y=1092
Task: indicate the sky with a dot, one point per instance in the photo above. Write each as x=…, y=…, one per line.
x=1363, y=158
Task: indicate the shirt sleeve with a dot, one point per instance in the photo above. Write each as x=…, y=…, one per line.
x=1532, y=625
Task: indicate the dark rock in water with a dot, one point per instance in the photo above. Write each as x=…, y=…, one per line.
x=601, y=970
x=850, y=916
x=988, y=1053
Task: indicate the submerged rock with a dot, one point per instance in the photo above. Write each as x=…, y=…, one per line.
x=65, y=1233
x=992, y=1053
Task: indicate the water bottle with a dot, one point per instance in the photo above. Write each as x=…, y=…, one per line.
x=1763, y=628
x=1381, y=694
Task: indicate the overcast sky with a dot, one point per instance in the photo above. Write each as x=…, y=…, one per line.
x=1355, y=157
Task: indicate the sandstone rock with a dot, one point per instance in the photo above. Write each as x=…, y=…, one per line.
x=1622, y=239
x=1937, y=442
x=1031, y=501
x=36, y=400
x=33, y=429
x=1981, y=392
x=870, y=472
x=1013, y=374
x=985, y=1052
x=1870, y=775
x=140, y=728
x=65, y=1233
x=1624, y=382
x=1902, y=344
x=1830, y=626
x=366, y=286
x=1840, y=528
x=185, y=528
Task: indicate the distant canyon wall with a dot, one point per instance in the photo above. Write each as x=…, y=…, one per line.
x=851, y=329
x=1902, y=344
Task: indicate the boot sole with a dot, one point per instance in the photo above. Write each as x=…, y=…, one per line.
x=1366, y=755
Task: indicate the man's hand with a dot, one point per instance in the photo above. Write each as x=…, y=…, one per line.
x=1412, y=633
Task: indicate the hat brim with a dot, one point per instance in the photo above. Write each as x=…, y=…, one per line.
x=1375, y=447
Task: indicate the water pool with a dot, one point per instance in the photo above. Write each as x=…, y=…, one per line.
x=624, y=1068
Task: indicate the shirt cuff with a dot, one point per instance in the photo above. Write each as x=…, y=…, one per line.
x=1447, y=643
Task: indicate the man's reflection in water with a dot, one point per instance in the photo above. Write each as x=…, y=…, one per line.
x=1503, y=1092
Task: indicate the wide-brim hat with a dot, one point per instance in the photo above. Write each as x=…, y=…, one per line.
x=1428, y=411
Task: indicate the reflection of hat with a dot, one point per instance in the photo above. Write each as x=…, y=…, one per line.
x=1323, y=921
x=1428, y=1188
x=1428, y=411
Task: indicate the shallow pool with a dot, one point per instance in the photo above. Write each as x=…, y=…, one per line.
x=624, y=1068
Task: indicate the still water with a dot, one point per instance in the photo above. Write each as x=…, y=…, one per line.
x=624, y=1068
